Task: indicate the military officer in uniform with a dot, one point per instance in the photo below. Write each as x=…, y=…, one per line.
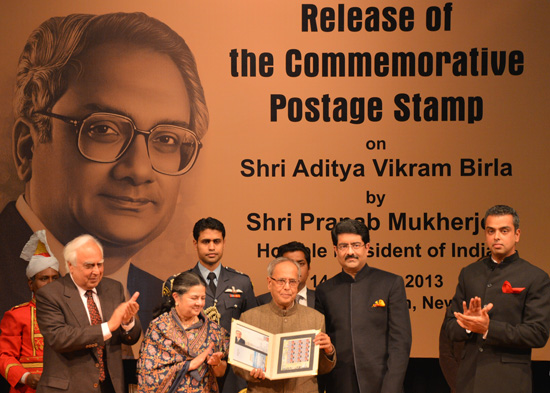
x=21, y=343
x=229, y=293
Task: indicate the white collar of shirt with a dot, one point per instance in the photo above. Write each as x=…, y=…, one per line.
x=303, y=294
x=204, y=272
x=35, y=224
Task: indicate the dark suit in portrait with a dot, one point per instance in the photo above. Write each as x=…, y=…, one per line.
x=70, y=341
x=150, y=293
x=14, y=234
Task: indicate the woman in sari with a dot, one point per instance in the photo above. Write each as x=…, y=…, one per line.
x=183, y=350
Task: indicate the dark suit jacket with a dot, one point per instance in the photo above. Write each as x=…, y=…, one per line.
x=372, y=343
x=14, y=234
x=150, y=293
x=450, y=354
x=70, y=341
x=518, y=322
x=266, y=298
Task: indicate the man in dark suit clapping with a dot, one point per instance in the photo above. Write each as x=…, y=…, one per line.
x=501, y=310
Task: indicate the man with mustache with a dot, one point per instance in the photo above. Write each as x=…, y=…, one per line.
x=21, y=343
x=501, y=310
x=109, y=115
x=366, y=317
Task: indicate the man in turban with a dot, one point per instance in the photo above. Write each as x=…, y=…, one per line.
x=21, y=344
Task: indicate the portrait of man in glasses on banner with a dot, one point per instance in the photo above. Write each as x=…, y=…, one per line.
x=109, y=113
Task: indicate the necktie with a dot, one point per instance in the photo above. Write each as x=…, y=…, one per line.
x=300, y=299
x=211, y=284
x=95, y=318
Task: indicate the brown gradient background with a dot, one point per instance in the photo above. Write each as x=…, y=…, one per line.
x=514, y=129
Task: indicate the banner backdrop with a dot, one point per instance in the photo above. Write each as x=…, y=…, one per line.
x=414, y=117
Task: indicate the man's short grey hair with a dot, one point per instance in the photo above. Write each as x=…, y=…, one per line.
x=69, y=253
x=276, y=261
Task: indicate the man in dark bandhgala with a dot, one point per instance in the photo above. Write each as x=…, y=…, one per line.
x=501, y=310
x=367, y=318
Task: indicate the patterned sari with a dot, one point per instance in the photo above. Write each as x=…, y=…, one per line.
x=168, y=348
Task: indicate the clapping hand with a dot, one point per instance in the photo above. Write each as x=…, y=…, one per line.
x=475, y=318
x=124, y=313
x=132, y=307
x=201, y=358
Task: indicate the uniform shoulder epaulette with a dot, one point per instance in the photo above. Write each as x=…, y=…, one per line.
x=234, y=271
x=20, y=305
